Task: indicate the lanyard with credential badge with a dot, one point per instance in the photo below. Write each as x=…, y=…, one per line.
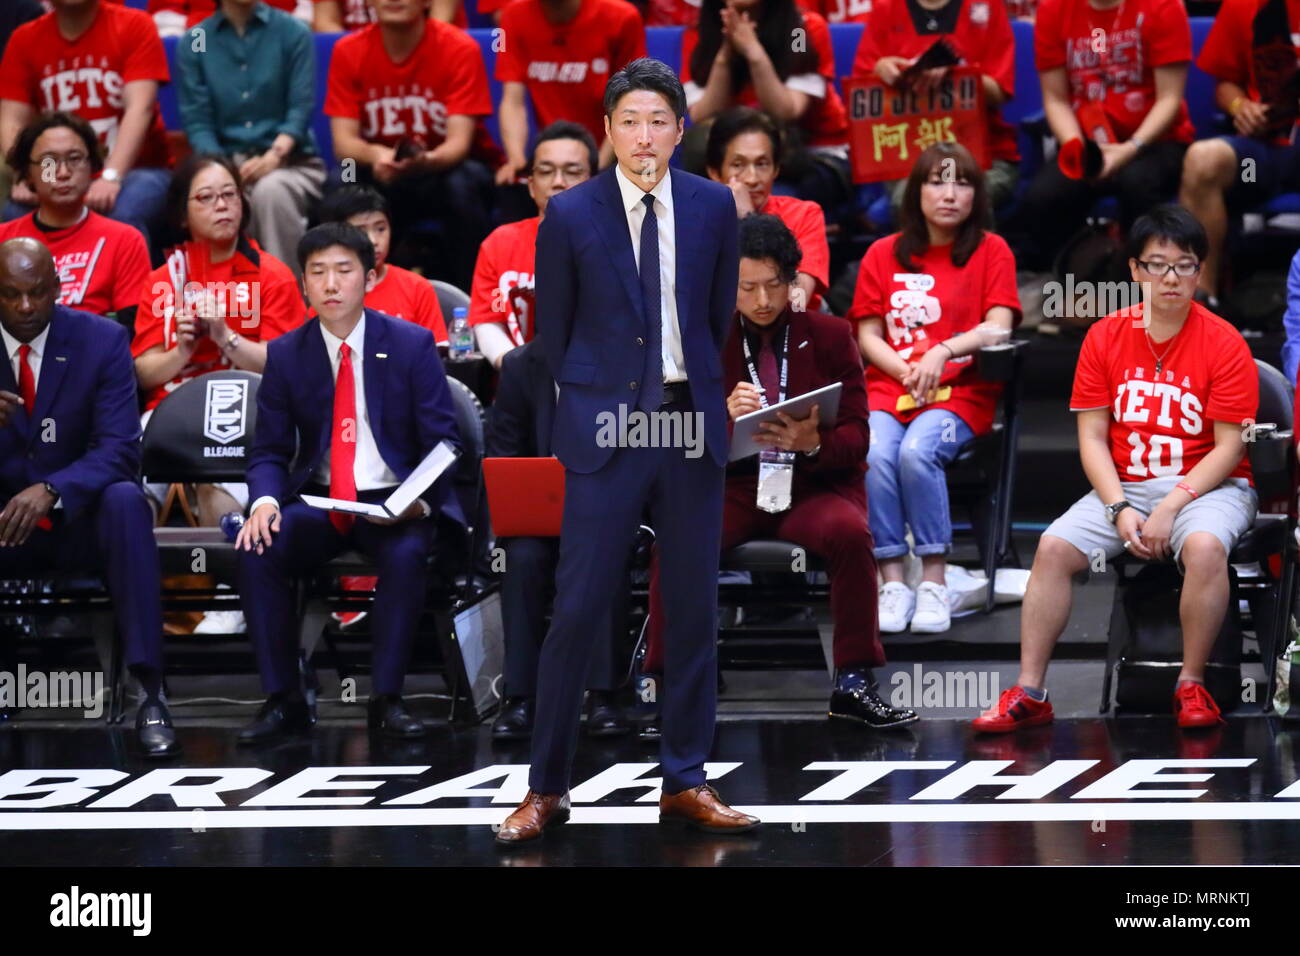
x=775, y=467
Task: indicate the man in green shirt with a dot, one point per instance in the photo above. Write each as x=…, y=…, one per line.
x=245, y=80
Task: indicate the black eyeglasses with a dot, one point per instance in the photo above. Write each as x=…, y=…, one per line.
x=74, y=161
x=1184, y=269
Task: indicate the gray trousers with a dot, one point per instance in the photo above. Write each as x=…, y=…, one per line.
x=281, y=202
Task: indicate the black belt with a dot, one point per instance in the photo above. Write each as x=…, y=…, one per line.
x=677, y=393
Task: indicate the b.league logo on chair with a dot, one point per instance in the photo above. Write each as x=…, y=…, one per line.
x=225, y=416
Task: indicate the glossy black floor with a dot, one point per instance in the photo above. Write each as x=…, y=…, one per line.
x=1161, y=797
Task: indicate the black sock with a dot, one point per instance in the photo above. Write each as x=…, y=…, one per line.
x=150, y=682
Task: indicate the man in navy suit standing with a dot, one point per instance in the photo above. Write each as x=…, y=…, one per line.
x=70, y=464
x=636, y=288
x=350, y=403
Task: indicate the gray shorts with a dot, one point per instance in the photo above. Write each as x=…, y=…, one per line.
x=1227, y=512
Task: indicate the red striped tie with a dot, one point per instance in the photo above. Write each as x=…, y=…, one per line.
x=26, y=380
x=343, y=443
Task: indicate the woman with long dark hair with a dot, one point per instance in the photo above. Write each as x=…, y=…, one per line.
x=927, y=298
x=771, y=55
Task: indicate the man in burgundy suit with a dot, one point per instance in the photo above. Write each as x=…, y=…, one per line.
x=825, y=511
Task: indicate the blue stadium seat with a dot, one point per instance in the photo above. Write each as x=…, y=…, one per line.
x=844, y=42
x=665, y=43
x=1200, y=86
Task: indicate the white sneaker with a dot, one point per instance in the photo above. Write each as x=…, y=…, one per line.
x=897, y=602
x=933, y=613
x=221, y=622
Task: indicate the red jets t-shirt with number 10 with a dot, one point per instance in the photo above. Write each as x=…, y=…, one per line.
x=87, y=76
x=1163, y=425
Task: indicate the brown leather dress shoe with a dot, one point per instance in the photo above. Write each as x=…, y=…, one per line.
x=702, y=808
x=538, y=812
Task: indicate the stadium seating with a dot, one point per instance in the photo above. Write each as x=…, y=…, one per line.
x=664, y=43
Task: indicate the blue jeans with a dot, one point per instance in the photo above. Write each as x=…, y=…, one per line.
x=140, y=202
x=906, y=485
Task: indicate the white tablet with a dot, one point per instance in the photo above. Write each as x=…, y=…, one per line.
x=799, y=407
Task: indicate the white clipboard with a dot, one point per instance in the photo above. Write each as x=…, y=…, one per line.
x=425, y=474
x=799, y=407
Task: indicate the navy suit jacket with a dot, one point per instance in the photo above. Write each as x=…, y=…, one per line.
x=522, y=415
x=408, y=403
x=590, y=312
x=84, y=433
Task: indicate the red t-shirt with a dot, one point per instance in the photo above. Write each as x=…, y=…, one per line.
x=503, y=279
x=87, y=75
x=1114, y=65
x=668, y=13
x=1164, y=427
x=405, y=295
x=826, y=123
x=982, y=38
x=359, y=13
x=265, y=301
x=922, y=309
x=196, y=11
x=839, y=11
x=806, y=220
x=565, y=66
x=102, y=263
x=444, y=76
x=1261, y=58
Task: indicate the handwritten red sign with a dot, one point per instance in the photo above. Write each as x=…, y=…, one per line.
x=889, y=128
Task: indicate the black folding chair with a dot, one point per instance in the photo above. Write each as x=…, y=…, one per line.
x=1271, y=453
x=983, y=475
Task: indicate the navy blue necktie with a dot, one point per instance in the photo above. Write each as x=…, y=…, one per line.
x=652, y=389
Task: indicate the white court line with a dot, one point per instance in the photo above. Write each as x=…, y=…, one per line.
x=224, y=819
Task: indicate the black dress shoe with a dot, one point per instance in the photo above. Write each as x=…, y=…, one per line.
x=153, y=729
x=860, y=702
x=280, y=716
x=515, y=721
x=388, y=714
x=650, y=730
x=604, y=717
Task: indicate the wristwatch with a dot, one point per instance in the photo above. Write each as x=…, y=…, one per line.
x=110, y=175
x=1112, y=511
x=51, y=490
x=814, y=452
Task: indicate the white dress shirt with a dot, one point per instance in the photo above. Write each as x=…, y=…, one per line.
x=33, y=358
x=369, y=469
x=33, y=362
x=671, y=336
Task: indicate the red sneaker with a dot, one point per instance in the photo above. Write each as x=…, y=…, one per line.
x=1014, y=709
x=1194, y=707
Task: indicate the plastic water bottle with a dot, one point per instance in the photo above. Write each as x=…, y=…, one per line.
x=462, y=336
x=231, y=522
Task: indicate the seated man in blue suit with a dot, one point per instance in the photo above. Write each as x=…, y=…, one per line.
x=70, y=463
x=350, y=403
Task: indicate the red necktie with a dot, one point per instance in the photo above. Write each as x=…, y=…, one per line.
x=26, y=380
x=343, y=442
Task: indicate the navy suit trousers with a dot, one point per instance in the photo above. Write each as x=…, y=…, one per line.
x=306, y=540
x=602, y=511
x=114, y=539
